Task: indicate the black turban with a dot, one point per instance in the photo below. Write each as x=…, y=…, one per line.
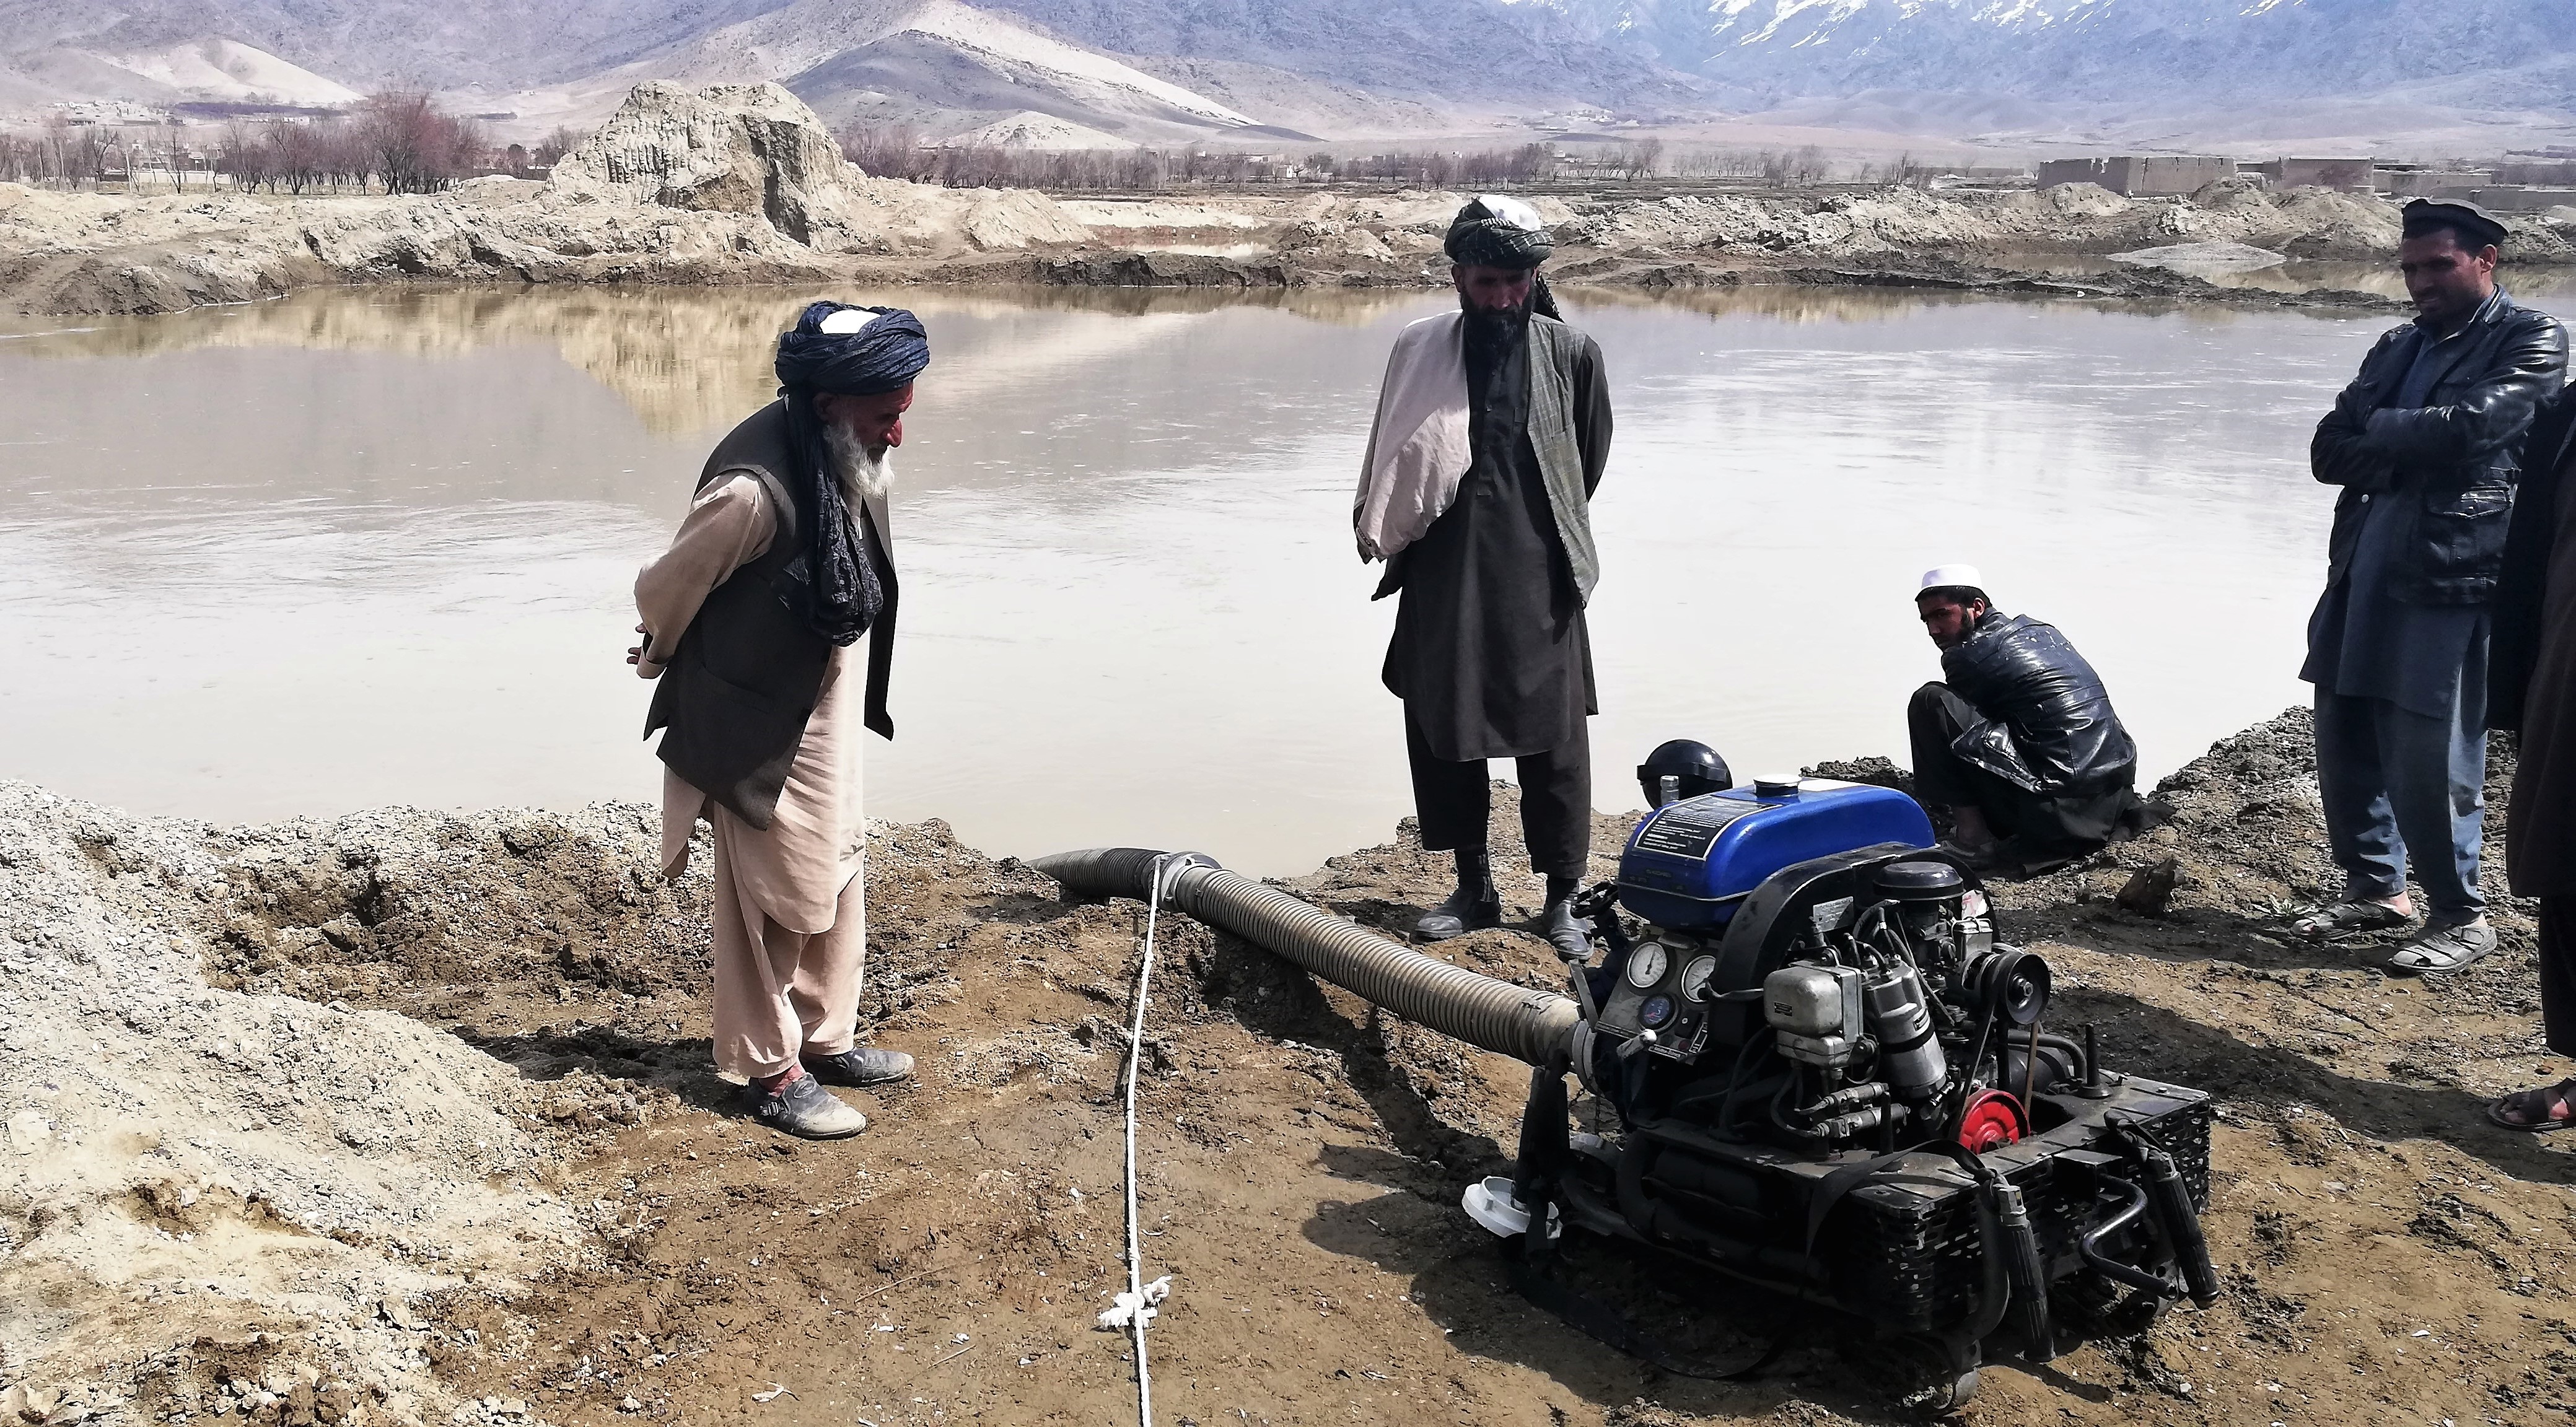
x=1495, y=232
x=2475, y=227
x=841, y=591
x=881, y=356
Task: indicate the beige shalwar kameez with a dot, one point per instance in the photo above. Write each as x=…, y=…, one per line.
x=790, y=913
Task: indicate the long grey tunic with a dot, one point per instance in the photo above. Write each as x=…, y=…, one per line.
x=1490, y=653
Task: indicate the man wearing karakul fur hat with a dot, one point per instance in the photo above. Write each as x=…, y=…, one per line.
x=2426, y=448
x=749, y=620
x=1492, y=430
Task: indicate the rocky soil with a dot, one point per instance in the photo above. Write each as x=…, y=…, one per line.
x=742, y=184
x=408, y=1117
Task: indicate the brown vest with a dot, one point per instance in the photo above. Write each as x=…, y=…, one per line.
x=744, y=679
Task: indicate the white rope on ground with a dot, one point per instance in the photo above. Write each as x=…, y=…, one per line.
x=1138, y=1304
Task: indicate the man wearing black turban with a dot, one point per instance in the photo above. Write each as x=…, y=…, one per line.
x=749, y=620
x=1493, y=428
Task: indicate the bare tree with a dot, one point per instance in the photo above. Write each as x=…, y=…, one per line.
x=243, y=156
x=416, y=147
x=551, y=149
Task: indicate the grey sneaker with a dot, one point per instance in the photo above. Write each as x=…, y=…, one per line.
x=1465, y=911
x=2443, y=946
x=860, y=1065
x=803, y=1108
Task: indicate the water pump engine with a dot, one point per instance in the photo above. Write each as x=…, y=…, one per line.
x=1832, y=1077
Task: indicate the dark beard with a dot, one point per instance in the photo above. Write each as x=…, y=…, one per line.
x=1491, y=327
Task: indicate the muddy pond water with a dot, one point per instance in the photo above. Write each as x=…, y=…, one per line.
x=359, y=547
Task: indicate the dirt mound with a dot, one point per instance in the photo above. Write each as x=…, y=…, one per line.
x=741, y=184
x=731, y=148
x=1156, y=270
x=189, y=1164
x=732, y=184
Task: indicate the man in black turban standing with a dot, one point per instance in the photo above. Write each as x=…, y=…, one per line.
x=749, y=620
x=1492, y=430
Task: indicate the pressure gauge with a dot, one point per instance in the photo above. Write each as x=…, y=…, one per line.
x=1695, y=977
x=1647, y=963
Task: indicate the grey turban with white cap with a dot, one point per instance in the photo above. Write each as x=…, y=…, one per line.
x=1497, y=232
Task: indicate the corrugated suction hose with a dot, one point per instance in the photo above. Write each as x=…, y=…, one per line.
x=1497, y=1015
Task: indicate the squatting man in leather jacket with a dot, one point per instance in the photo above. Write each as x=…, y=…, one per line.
x=2018, y=740
x=2426, y=444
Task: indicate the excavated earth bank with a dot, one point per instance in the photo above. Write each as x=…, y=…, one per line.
x=744, y=184
x=408, y=1117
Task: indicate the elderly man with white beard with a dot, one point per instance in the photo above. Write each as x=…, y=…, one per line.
x=749, y=620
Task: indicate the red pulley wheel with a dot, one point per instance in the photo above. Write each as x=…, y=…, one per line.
x=1994, y=1120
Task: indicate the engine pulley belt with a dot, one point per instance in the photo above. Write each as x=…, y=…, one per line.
x=1612, y=1329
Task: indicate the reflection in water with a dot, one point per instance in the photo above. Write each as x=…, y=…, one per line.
x=2548, y=285
x=357, y=547
x=684, y=358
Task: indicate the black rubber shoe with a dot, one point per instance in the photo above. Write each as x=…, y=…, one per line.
x=1569, y=934
x=860, y=1065
x=1466, y=911
x=803, y=1108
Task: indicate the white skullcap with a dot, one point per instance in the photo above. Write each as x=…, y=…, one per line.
x=1513, y=211
x=846, y=321
x=1940, y=576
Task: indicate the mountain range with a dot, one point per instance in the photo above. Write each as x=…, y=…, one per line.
x=2437, y=74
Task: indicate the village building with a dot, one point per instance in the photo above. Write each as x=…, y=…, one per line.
x=2140, y=176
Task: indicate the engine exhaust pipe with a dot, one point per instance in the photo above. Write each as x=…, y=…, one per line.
x=1533, y=1026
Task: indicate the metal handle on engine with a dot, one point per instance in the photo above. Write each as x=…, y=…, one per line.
x=2090, y=1246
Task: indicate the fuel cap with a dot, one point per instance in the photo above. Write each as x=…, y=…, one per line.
x=1775, y=787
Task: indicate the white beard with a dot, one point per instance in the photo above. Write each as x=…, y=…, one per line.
x=862, y=474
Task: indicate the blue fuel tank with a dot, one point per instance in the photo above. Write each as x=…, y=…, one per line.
x=1689, y=865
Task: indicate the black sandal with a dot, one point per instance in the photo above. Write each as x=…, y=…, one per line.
x=2348, y=915
x=2501, y=1110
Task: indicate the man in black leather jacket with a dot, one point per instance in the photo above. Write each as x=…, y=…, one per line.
x=2426, y=443
x=2020, y=742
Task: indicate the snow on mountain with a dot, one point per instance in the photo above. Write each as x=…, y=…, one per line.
x=228, y=69
x=2507, y=53
x=1029, y=129
x=1482, y=56
x=930, y=61
x=2454, y=76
